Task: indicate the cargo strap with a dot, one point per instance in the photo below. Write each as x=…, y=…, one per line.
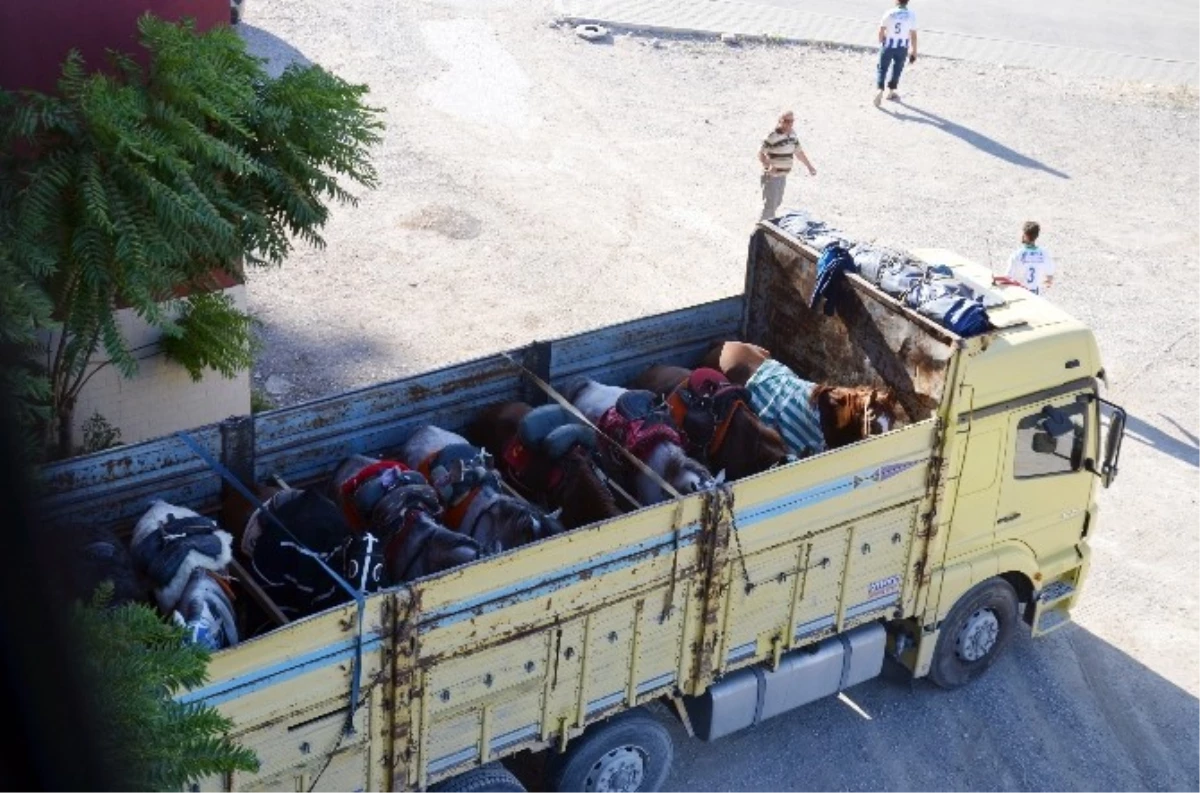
x=227, y=475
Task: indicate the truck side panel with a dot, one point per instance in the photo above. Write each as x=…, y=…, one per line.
x=288, y=694
x=825, y=545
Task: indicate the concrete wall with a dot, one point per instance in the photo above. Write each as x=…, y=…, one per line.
x=162, y=397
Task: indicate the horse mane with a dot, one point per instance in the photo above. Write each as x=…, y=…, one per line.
x=749, y=443
x=583, y=494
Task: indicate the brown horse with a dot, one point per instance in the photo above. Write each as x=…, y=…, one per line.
x=471, y=492
x=716, y=417
x=547, y=457
x=382, y=498
x=811, y=417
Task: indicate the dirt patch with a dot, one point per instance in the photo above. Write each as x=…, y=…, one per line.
x=452, y=223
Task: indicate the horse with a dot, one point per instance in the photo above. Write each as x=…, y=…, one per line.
x=630, y=418
x=811, y=417
x=289, y=542
x=394, y=516
x=716, y=419
x=469, y=489
x=184, y=556
x=547, y=456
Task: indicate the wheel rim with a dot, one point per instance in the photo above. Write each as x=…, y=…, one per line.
x=622, y=769
x=978, y=636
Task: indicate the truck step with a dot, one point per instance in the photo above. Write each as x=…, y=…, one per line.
x=1054, y=592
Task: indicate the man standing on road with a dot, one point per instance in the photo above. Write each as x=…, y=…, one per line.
x=1031, y=266
x=775, y=154
x=897, y=43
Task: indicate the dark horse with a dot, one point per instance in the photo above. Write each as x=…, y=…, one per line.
x=715, y=416
x=838, y=415
x=469, y=489
x=546, y=455
x=388, y=500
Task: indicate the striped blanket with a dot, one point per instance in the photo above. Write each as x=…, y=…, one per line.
x=784, y=402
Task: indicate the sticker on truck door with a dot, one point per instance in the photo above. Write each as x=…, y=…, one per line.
x=884, y=586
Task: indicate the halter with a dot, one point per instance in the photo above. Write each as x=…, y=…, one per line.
x=459, y=482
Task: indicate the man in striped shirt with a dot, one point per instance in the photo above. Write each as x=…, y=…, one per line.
x=897, y=43
x=775, y=154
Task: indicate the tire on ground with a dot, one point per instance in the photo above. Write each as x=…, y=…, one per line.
x=630, y=751
x=974, y=633
x=492, y=776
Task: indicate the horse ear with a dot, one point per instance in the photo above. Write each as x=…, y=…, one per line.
x=555, y=515
x=720, y=477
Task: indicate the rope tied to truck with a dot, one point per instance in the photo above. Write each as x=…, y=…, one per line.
x=359, y=599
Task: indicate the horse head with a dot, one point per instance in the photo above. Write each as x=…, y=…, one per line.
x=582, y=494
x=851, y=414
x=509, y=522
x=416, y=544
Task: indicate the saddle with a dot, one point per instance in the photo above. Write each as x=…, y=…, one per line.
x=638, y=423
x=458, y=473
x=286, y=562
x=363, y=491
x=169, y=553
x=703, y=406
x=544, y=436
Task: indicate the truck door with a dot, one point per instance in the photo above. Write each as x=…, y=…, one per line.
x=1045, y=491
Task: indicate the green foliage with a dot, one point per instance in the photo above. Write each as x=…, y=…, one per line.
x=137, y=664
x=212, y=334
x=99, y=434
x=128, y=186
x=260, y=401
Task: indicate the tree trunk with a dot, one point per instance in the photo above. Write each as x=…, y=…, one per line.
x=64, y=415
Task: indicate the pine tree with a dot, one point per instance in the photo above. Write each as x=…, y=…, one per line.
x=127, y=186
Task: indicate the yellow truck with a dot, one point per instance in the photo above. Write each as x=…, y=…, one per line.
x=931, y=543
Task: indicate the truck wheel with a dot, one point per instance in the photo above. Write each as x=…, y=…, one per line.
x=974, y=632
x=492, y=776
x=629, y=752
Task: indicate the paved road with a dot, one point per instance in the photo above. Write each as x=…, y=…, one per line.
x=1153, y=41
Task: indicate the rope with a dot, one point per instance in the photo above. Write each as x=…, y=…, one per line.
x=227, y=475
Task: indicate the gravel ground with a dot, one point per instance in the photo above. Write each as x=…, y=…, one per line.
x=535, y=185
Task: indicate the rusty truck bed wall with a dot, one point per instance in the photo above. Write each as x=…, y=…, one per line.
x=871, y=340
x=306, y=442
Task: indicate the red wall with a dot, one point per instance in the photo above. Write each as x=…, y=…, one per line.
x=36, y=35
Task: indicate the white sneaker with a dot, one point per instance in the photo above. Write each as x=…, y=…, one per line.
x=878, y=98
x=893, y=96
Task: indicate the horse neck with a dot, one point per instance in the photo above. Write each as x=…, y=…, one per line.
x=749, y=446
x=670, y=462
x=582, y=496
x=427, y=549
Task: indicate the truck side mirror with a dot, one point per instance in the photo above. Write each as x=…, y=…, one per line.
x=1112, y=446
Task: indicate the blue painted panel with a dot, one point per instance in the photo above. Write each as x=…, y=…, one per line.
x=306, y=442
x=118, y=484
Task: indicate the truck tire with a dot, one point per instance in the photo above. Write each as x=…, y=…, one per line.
x=631, y=751
x=492, y=776
x=974, y=633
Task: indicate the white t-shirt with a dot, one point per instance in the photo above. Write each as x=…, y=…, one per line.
x=1031, y=266
x=897, y=26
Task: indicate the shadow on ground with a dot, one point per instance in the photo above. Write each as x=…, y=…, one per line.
x=976, y=139
x=1065, y=712
x=277, y=52
x=1143, y=432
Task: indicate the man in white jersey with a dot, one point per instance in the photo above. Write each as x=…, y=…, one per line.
x=1031, y=266
x=897, y=43
x=775, y=154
